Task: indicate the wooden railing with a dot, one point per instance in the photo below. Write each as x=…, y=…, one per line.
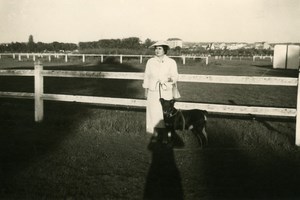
x=84, y=56
x=39, y=96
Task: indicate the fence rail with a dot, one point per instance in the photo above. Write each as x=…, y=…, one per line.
x=66, y=56
x=39, y=96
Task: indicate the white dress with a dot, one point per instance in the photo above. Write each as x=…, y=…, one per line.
x=158, y=71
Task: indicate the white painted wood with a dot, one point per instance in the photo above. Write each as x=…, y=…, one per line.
x=56, y=55
x=298, y=114
x=249, y=80
x=216, y=108
x=38, y=91
x=93, y=74
x=97, y=100
x=11, y=72
x=232, y=109
x=18, y=95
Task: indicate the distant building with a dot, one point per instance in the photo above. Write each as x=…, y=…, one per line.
x=175, y=42
x=235, y=46
x=223, y=46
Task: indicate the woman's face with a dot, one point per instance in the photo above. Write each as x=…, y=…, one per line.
x=159, y=51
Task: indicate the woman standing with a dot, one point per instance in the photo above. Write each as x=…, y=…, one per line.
x=161, y=76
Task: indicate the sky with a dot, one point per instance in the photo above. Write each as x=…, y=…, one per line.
x=190, y=20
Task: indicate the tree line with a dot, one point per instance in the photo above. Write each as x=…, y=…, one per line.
x=131, y=45
x=30, y=46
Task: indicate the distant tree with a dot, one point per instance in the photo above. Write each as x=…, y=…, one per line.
x=30, y=44
x=148, y=43
x=30, y=40
x=177, y=50
x=131, y=43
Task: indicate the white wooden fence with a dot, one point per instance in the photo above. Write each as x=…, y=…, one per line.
x=39, y=96
x=84, y=56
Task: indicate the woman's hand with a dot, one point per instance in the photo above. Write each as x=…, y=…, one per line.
x=167, y=80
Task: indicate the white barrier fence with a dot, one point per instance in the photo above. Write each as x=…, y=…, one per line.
x=84, y=56
x=39, y=96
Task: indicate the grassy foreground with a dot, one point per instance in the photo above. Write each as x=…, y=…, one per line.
x=93, y=152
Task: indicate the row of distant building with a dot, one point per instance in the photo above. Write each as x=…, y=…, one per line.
x=176, y=42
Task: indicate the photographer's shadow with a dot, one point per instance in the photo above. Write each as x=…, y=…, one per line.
x=163, y=179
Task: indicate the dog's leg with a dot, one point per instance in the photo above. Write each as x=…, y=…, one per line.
x=201, y=135
x=197, y=135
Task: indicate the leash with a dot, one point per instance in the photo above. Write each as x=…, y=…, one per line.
x=160, y=85
x=183, y=120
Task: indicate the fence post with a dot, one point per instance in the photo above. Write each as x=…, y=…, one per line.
x=206, y=60
x=38, y=92
x=83, y=58
x=121, y=59
x=49, y=58
x=101, y=58
x=298, y=114
x=141, y=59
x=183, y=60
x=20, y=59
x=66, y=58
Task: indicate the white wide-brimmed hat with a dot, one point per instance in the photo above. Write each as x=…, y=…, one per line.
x=160, y=43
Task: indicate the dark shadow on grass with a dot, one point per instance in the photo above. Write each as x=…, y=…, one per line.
x=278, y=72
x=264, y=120
x=24, y=142
x=234, y=172
x=163, y=179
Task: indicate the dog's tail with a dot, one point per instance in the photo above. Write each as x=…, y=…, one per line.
x=205, y=113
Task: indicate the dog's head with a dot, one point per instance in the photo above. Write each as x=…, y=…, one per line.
x=167, y=107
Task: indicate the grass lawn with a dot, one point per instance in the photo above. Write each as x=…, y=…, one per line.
x=83, y=151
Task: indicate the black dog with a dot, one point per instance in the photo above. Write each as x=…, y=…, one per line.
x=194, y=120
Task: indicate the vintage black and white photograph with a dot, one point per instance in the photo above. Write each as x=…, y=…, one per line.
x=149, y=99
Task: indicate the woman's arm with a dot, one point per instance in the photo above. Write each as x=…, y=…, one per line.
x=174, y=73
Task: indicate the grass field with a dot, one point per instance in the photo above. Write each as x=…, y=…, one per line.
x=83, y=151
